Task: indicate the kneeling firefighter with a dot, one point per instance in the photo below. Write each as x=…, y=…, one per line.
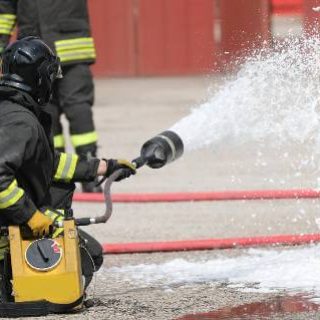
x=37, y=182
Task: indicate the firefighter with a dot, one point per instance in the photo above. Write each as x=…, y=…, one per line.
x=64, y=26
x=35, y=179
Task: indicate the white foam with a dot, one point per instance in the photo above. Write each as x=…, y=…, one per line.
x=265, y=270
x=275, y=97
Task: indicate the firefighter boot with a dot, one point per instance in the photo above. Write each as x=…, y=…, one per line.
x=91, y=186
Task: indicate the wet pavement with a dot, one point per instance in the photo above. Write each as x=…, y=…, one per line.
x=280, y=307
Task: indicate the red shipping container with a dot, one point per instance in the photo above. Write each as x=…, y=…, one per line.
x=311, y=17
x=245, y=25
x=175, y=37
x=113, y=29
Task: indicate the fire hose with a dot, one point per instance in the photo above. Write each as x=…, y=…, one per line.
x=201, y=196
x=165, y=148
x=209, y=244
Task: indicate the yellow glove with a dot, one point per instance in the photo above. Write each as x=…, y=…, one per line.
x=40, y=224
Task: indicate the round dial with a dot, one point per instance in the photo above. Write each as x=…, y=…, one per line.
x=43, y=254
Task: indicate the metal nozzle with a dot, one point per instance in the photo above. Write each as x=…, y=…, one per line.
x=160, y=150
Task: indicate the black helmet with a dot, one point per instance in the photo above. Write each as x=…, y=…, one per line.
x=31, y=66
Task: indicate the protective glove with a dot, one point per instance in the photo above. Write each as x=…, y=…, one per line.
x=56, y=216
x=127, y=168
x=40, y=224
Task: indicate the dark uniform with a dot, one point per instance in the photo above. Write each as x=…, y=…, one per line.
x=32, y=174
x=29, y=164
x=64, y=26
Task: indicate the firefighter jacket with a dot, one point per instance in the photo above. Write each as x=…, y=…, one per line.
x=62, y=24
x=28, y=162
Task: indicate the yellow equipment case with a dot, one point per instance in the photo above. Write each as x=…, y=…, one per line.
x=46, y=273
x=43, y=276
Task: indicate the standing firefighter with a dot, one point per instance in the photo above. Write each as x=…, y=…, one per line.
x=64, y=26
x=36, y=181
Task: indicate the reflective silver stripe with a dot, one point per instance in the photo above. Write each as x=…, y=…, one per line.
x=67, y=165
x=11, y=195
x=170, y=143
x=52, y=215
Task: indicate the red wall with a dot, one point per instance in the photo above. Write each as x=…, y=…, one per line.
x=245, y=25
x=113, y=30
x=173, y=37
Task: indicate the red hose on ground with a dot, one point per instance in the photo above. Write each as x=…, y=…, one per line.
x=201, y=196
x=208, y=244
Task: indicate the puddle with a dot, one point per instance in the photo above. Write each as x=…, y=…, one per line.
x=278, y=306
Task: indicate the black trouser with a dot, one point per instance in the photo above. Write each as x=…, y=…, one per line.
x=73, y=95
x=91, y=255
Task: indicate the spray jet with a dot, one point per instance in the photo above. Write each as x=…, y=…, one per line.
x=160, y=150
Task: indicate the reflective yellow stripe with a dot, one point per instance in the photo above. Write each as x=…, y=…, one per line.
x=67, y=166
x=62, y=161
x=79, y=51
x=7, y=22
x=68, y=42
x=4, y=30
x=11, y=195
x=58, y=141
x=75, y=49
x=51, y=214
x=77, y=57
x=8, y=16
x=57, y=214
x=56, y=217
x=76, y=45
x=84, y=138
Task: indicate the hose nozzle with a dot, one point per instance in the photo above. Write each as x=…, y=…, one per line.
x=160, y=150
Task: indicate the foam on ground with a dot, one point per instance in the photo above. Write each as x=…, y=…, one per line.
x=264, y=270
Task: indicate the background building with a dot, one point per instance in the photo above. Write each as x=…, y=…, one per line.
x=180, y=37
